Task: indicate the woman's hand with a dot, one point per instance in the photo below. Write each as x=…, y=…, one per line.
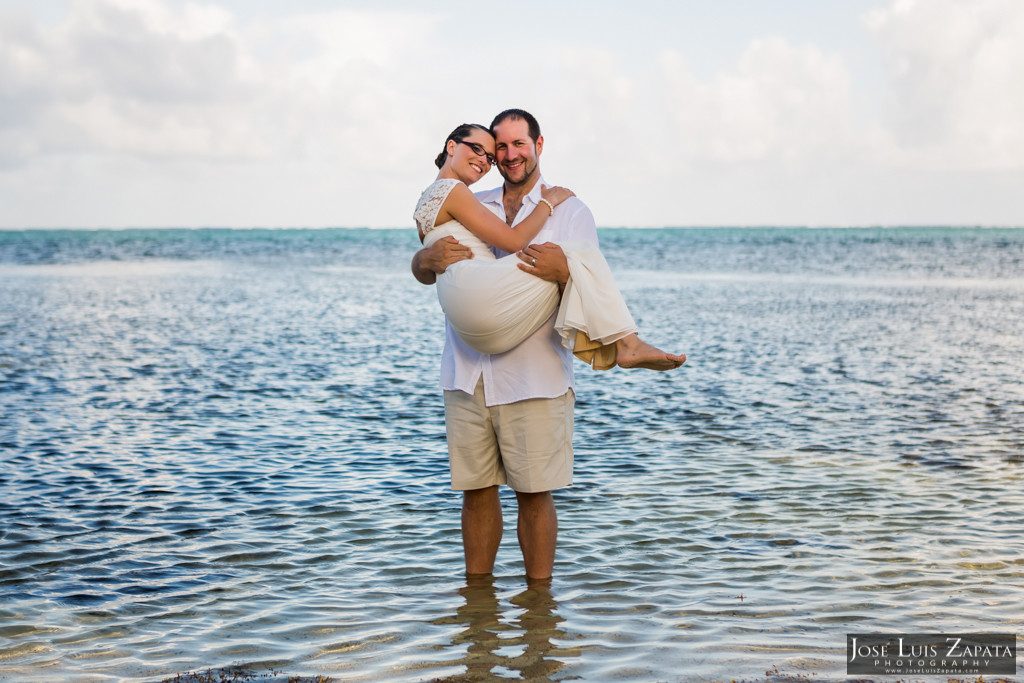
x=555, y=194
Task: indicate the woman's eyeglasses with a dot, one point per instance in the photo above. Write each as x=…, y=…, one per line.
x=479, y=151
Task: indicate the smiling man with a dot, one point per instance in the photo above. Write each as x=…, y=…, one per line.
x=509, y=416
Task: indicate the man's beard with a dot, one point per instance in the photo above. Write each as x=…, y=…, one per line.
x=528, y=173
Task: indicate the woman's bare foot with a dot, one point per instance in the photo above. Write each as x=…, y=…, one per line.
x=634, y=352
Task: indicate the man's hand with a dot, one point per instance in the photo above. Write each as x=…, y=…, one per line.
x=546, y=261
x=431, y=261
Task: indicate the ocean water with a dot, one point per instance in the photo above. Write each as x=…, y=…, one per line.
x=225, y=448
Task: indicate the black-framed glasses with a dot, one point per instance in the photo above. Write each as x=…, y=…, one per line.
x=479, y=151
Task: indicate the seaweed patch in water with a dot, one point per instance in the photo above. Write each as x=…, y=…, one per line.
x=238, y=675
x=774, y=675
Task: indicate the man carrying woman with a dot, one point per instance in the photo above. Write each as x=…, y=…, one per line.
x=509, y=414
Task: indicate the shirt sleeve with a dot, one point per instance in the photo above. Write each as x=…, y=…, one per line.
x=580, y=225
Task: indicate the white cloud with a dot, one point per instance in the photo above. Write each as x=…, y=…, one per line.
x=134, y=76
x=688, y=147
x=126, y=78
x=778, y=101
x=311, y=101
x=955, y=99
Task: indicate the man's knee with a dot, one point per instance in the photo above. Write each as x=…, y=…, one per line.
x=484, y=496
x=537, y=502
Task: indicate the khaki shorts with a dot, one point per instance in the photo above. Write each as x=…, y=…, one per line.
x=527, y=444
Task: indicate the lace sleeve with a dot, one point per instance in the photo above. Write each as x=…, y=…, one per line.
x=430, y=203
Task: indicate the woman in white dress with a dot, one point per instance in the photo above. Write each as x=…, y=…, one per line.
x=492, y=304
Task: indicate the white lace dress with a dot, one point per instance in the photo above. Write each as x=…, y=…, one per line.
x=493, y=305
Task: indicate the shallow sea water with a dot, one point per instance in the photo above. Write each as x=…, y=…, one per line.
x=226, y=448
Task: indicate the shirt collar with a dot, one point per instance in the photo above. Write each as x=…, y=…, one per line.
x=497, y=194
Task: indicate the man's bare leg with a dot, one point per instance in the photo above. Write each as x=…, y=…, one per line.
x=538, y=533
x=481, y=529
x=634, y=352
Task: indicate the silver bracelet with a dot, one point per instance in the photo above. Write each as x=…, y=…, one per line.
x=551, y=206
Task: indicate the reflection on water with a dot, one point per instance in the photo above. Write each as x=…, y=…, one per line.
x=514, y=639
x=240, y=461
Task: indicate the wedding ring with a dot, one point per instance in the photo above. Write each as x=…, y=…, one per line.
x=534, y=262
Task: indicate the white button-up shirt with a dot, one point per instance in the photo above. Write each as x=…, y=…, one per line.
x=540, y=367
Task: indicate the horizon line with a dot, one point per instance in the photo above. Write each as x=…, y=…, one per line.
x=764, y=226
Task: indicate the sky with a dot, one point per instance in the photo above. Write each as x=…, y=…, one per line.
x=313, y=113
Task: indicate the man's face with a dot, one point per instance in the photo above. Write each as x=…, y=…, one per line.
x=515, y=151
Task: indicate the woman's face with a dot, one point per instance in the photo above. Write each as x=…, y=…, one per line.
x=466, y=163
